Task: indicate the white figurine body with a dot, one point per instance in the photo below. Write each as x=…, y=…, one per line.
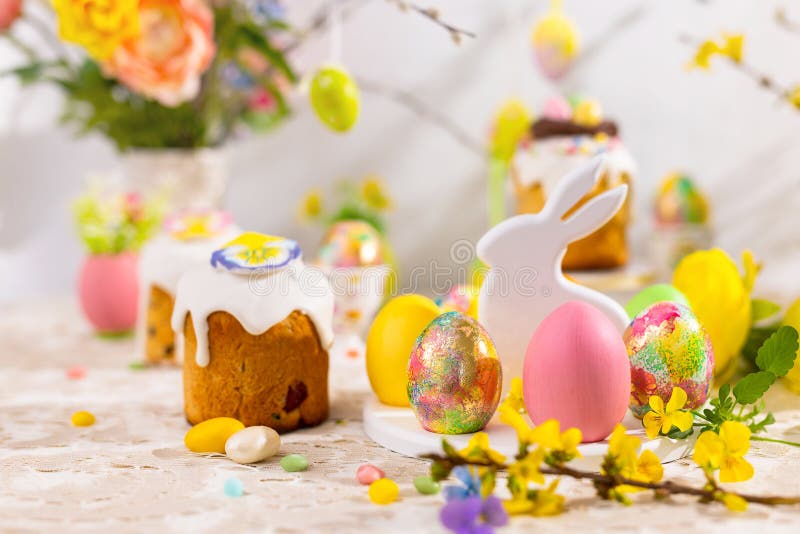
x=525, y=282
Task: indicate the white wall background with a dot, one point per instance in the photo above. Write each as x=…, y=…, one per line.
x=742, y=146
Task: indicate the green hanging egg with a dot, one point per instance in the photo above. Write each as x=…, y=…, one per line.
x=335, y=98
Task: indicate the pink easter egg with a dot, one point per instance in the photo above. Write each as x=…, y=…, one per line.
x=108, y=289
x=366, y=474
x=557, y=108
x=577, y=371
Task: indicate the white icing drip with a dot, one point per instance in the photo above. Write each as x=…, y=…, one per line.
x=546, y=162
x=163, y=260
x=258, y=301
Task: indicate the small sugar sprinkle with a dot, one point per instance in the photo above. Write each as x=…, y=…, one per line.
x=137, y=366
x=294, y=462
x=82, y=419
x=234, y=487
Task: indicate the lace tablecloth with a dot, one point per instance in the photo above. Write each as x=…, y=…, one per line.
x=131, y=472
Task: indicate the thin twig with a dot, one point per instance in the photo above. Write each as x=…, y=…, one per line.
x=320, y=20
x=612, y=481
x=424, y=111
x=432, y=14
x=763, y=80
x=783, y=20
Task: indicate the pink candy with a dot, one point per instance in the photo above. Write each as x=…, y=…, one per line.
x=76, y=373
x=368, y=473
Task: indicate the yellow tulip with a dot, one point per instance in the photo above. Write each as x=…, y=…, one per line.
x=720, y=298
x=792, y=318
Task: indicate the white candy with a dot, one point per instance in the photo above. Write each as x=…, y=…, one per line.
x=252, y=444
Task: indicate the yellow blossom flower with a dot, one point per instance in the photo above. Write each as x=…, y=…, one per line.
x=561, y=447
x=623, y=459
x=512, y=409
x=527, y=470
x=312, y=204
x=478, y=449
x=374, y=195
x=661, y=419
x=731, y=46
x=540, y=503
x=794, y=96
x=725, y=451
x=99, y=26
x=733, y=502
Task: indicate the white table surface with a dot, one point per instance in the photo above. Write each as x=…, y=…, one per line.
x=131, y=472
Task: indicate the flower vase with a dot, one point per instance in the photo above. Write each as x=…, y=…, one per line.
x=108, y=288
x=184, y=178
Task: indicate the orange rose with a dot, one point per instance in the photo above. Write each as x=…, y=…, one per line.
x=174, y=47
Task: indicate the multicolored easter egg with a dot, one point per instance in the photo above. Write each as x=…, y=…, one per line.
x=668, y=348
x=351, y=244
x=197, y=224
x=254, y=252
x=678, y=201
x=454, y=376
x=461, y=298
x=390, y=341
x=556, y=42
x=557, y=108
x=652, y=294
x=335, y=98
x=576, y=370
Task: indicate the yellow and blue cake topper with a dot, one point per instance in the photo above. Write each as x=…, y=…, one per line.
x=194, y=224
x=252, y=251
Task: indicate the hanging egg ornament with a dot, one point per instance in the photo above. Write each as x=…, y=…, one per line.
x=576, y=370
x=668, y=348
x=390, y=341
x=335, y=98
x=556, y=42
x=351, y=244
x=454, y=376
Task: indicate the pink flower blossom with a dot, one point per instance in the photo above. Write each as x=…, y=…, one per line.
x=9, y=12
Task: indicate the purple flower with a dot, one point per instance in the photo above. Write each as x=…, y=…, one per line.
x=473, y=515
x=471, y=484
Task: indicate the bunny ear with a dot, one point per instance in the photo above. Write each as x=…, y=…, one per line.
x=573, y=187
x=595, y=213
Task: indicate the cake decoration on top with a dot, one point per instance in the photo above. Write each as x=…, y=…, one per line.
x=253, y=251
x=195, y=224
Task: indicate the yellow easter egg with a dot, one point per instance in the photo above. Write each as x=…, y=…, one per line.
x=792, y=318
x=211, y=435
x=720, y=298
x=389, y=342
x=335, y=98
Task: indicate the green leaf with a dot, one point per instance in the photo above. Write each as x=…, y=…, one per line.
x=677, y=433
x=755, y=338
x=753, y=386
x=760, y=426
x=762, y=309
x=440, y=471
x=778, y=353
x=250, y=35
x=724, y=391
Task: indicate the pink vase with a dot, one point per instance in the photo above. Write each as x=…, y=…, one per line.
x=108, y=288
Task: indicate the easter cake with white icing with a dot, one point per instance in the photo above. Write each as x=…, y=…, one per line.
x=566, y=135
x=187, y=241
x=257, y=325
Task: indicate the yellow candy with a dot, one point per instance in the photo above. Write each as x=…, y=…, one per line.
x=211, y=435
x=720, y=298
x=792, y=318
x=389, y=342
x=82, y=419
x=383, y=491
x=588, y=112
x=510, y=126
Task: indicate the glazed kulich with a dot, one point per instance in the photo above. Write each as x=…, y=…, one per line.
x=186, y=243
x=559, y=145
x=257, y=325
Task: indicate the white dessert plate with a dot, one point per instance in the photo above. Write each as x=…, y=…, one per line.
x=397, y=429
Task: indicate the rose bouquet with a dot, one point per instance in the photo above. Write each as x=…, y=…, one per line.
x=159, y=73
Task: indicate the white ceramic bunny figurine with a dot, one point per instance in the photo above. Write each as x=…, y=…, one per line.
x=524, y=253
